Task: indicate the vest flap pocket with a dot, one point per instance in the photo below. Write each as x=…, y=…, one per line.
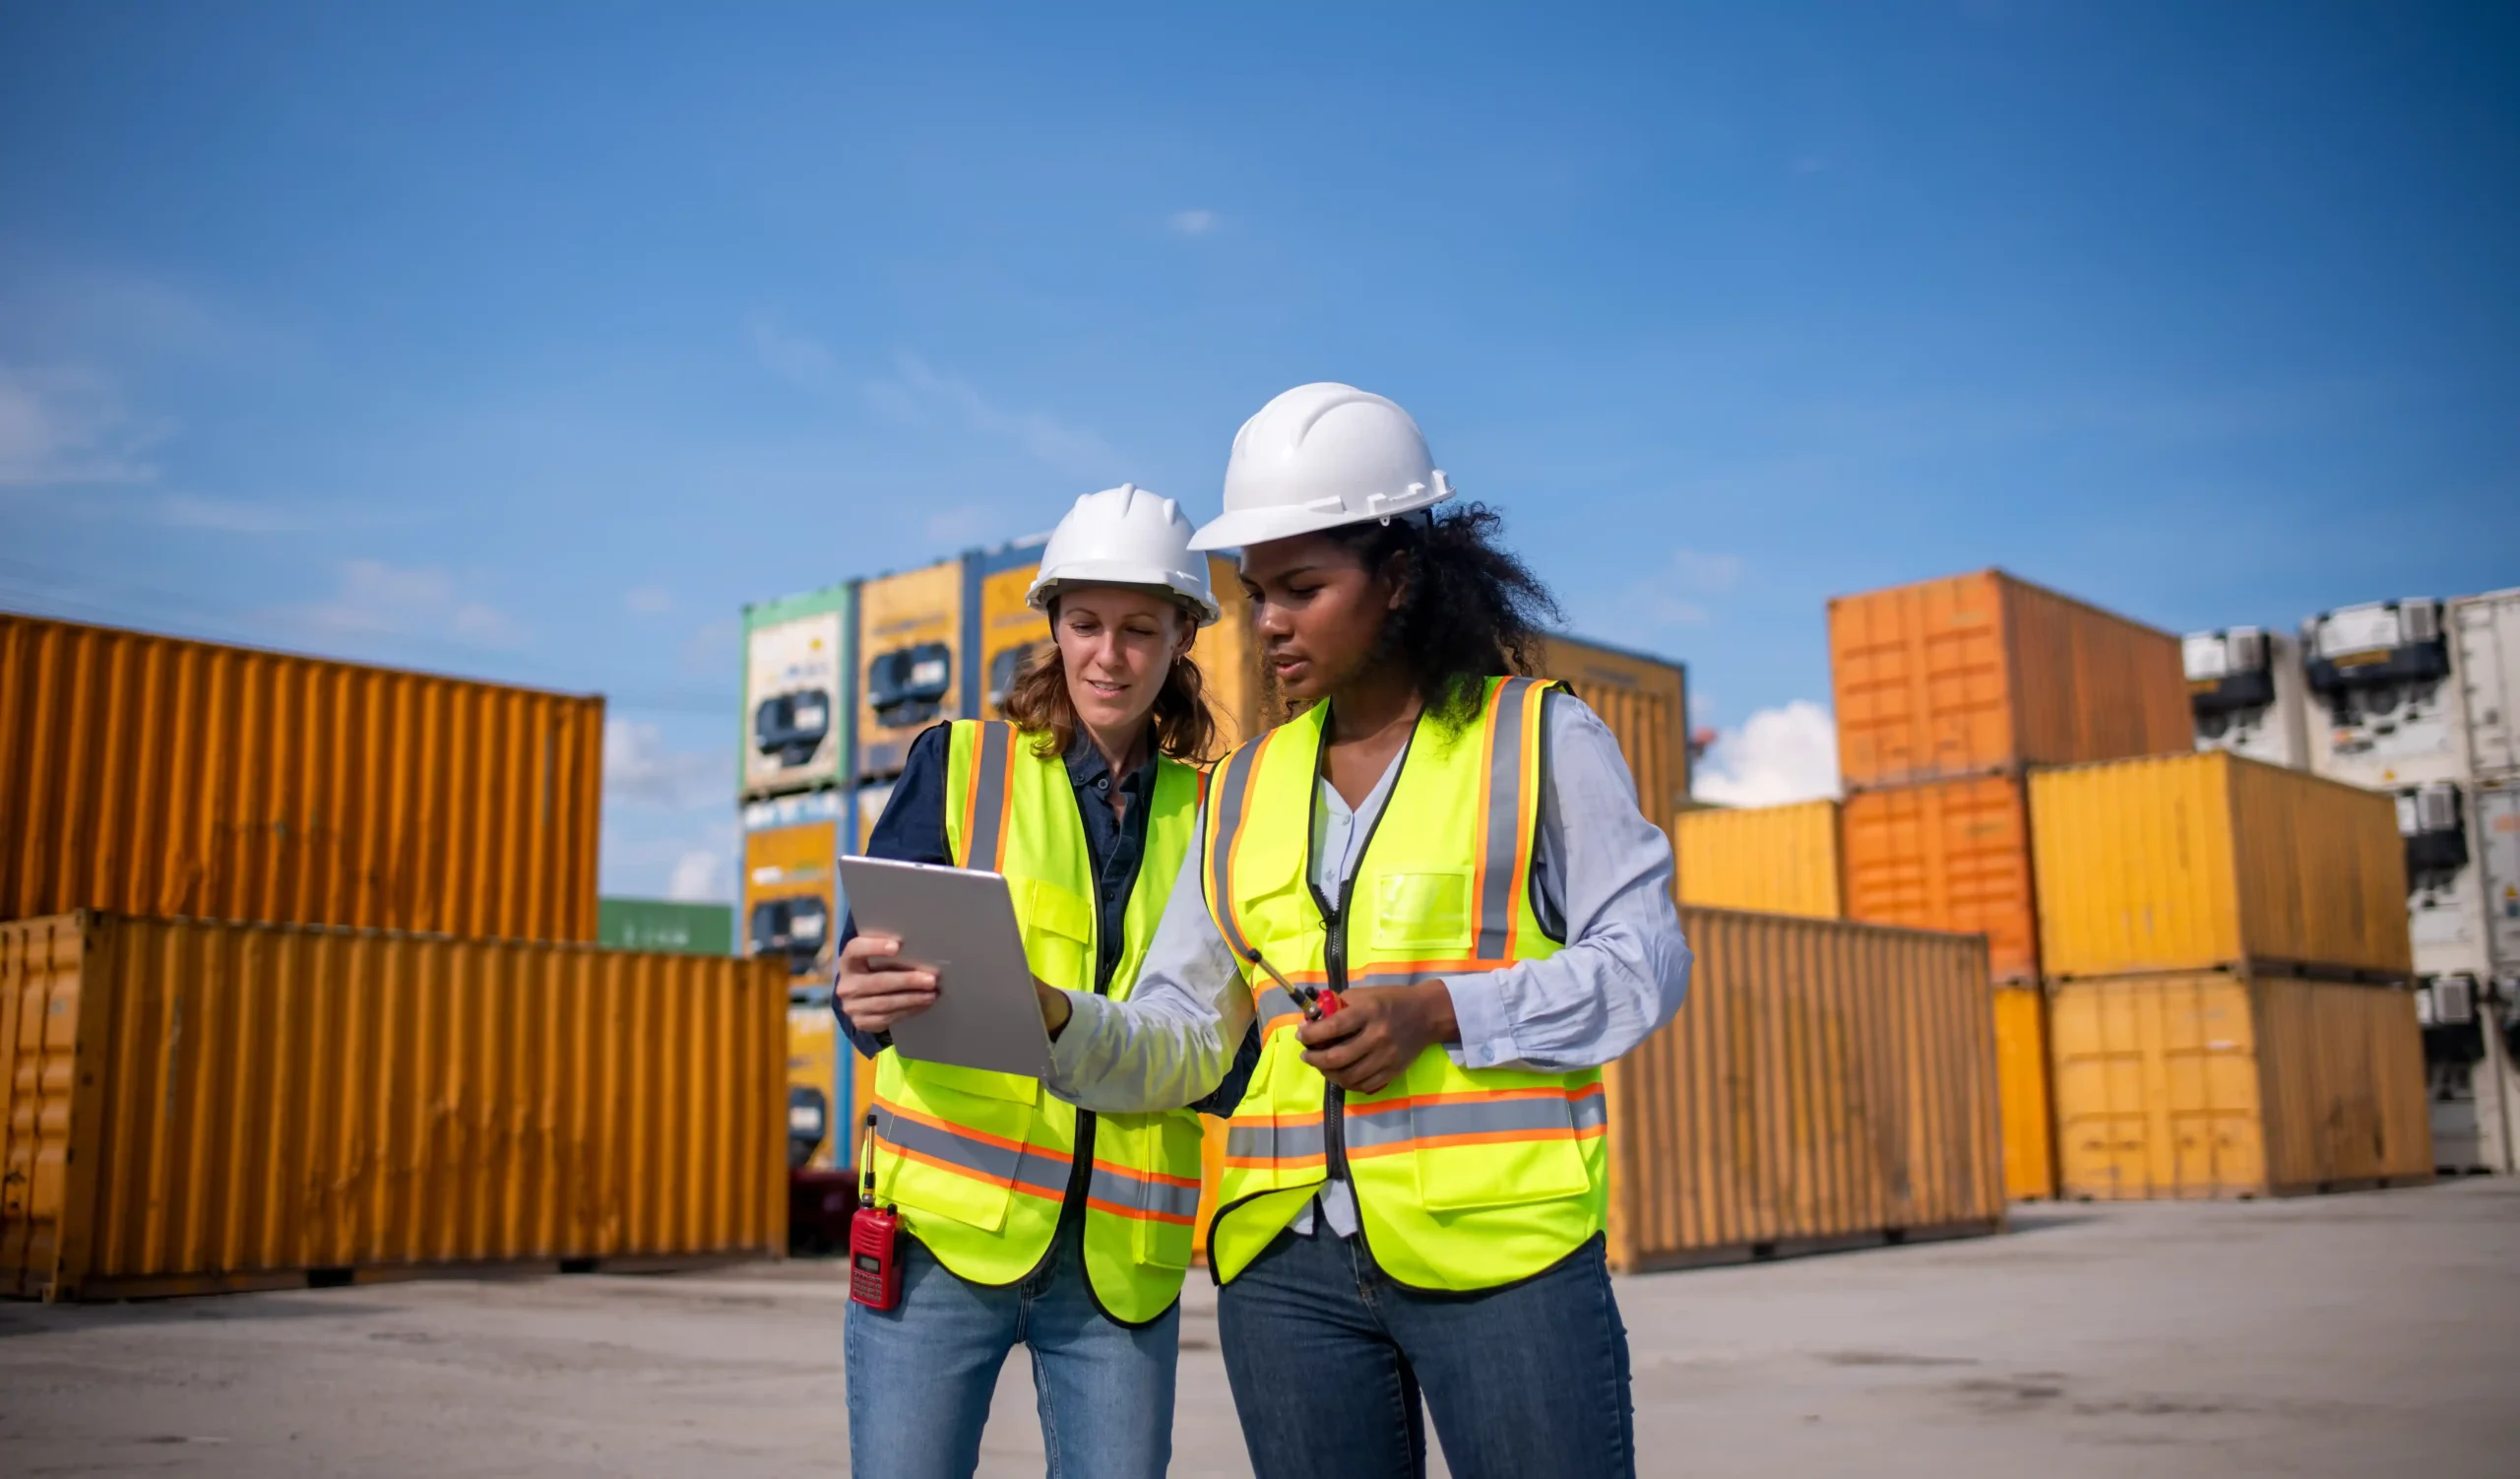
x=1058, y=933
x=1147, y=1169
x=1423, y=909
x=1473, y=1152
x=982, y=1083
x=940, y=1170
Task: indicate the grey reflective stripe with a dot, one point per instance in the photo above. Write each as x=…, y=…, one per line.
x=1499, y=886
x=988, y=797
x=1275, y=1004
x=1535, y=1116
x=1392, y=978
x=1228, y=800
x=1591, y=1109
x=1155, y=1199
x=1275, y=1142
x=1030, y=1167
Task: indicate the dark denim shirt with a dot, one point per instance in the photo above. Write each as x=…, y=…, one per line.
x=912, y=830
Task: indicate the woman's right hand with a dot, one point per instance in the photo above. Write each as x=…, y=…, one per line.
x=877, y=988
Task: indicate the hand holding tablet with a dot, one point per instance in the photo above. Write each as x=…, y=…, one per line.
x=939, y=962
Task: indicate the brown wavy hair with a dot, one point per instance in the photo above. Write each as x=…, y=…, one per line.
x=1180, y=725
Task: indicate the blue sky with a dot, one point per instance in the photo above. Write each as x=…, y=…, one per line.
x=532, y=346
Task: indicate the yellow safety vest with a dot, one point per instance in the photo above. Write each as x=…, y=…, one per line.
x=1464, y=1177
x=981, y=1163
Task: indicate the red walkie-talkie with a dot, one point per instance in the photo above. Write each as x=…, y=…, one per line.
x=874, y=1275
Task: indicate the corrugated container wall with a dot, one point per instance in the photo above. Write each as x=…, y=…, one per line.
x=2188, y=862
x=1781, y=860
x=1643, y=700
x=2486, y=633
x=2210, y=1084
x=911, y=661
x=1986, y=673
x=1825, y=1085
x=154, y=775
x=2027, y=1112
x=1951, y=854
x=191, y=1107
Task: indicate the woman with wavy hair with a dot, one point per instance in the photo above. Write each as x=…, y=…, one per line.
x=1029, y=1221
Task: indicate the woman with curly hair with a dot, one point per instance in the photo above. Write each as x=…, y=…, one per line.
x=1433, y=899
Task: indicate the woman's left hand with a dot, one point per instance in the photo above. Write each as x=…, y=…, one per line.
x=1055, y=1010
x=1378, y=1032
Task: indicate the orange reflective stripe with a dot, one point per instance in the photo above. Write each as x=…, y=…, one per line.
x=1476, y=1137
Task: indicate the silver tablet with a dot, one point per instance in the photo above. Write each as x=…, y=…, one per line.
x=961, y=924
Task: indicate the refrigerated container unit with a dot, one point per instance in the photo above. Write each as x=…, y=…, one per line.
x=155, y=775
x=1009, y=632
x=911, y=630
x=2463, y=914
x=796, y=690
x=2246, y=690
x=1987, y=674
x=2387, y=704
x=683, y=929
x=2484, y=635
x=792, y=903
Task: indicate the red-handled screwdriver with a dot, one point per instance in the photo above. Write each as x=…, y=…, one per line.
x=1317, y=1002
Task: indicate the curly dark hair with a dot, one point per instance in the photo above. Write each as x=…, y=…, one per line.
x=1471, y=611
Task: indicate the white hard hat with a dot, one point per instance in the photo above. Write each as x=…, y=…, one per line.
x=1124, y=536
x=1318, y=457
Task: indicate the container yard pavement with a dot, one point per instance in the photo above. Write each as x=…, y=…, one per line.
x=2356, y=1334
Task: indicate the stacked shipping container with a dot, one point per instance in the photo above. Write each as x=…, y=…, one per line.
x=2227, y=949
x=1947, y=693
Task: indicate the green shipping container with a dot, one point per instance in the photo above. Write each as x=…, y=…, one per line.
x=798, y=696
x=661, y=925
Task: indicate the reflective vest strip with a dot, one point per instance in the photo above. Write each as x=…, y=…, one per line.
x=1258, y=1142
x=969, y=1152
x=1231, y=791
x=1475, y=1119
x=1123, y=1192
x=990, y=795
x=1500, y=839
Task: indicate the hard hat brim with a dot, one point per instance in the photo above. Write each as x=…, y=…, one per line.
x=1202, y=606
x=1242, y=529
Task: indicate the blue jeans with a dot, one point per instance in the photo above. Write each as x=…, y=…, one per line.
x=1328, y=1359
x=920, y=1374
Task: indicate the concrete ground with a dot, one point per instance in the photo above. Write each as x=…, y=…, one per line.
x=2350, y=1335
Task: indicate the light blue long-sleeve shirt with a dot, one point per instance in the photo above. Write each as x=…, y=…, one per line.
x=1604, y=872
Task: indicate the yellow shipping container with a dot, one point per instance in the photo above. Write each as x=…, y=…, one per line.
x=792, y=904
x=1783, y=860
x=192, y=1107
x=814, y=1045
x=2227, y=1084
x=1986, y=673
x=154, y=775
x=1643, y=700
x=1826, y=1085
x=909, y=655
x=2188, y=862
x=2027, y=1112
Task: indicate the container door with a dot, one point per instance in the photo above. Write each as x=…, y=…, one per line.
x=2488, y=631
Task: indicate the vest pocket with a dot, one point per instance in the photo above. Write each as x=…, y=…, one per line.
x=1468, y=1175
x=980, y=1083
x=1156, y=1155
x=1427, y=909
x=1058, y=933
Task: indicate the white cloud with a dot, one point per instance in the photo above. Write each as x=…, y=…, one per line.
x=921, y=395
x=376, y=600
x=1778, y=755
x=1711, y=574
x=960, y=526
x=61, y=427
x=649, y=601
x=702, y=877
x=710, y=651
x=1194, y=223
x=641, y=769
x=226, y=515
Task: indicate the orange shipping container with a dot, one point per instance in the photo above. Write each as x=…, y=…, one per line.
x=1783, y=860
x=1643, y=700
x=154, y=775
x=2211, y=1083
x=1826, y=1084
x=190, y=1107
x=1985, y=674
x=2190, y=861
x=1952, y=855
